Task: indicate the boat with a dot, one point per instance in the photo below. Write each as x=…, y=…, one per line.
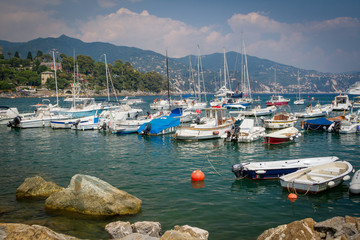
x=257, y=111
x=41, y=117
x=7, y=114
x=276, y=169
x=279, y=121
x=315, y=112
x=246, y=132
x=299, y=100
x=317, y=178
x=68, y=123
x=356, y=102
x=91, y=124
x=341, y=102
x=321, y=124
x=185, y=115
x=277, y=100
x=354, y=89
x=282, y=136
x=128, y=126
x=354, y=187
x=351, y=124
x=159, y=126
x=212, y=126
x=130, y=101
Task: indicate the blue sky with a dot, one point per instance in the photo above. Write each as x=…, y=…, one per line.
x=323, y=35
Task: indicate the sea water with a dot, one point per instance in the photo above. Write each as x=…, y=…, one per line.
x=157, y=170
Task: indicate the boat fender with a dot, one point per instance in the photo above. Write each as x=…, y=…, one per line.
x=291, y=138
x=215, y=132
x=331, y=184
x=346, y=178
x=260, y=172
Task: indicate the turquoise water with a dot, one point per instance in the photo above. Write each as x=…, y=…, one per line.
x=157, y=170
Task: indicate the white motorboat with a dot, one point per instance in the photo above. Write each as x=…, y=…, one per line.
x=246, y=132
x=354, y=89
x=280, y=120
x=130, y=101
x=318, y=178
x=317, y=111
x=68, y=123
x=41, y=118
x=356, y=102
x=282, y=136
x=212, y=126
x=128, y=126
x=276, y=169
x=160, y=104
x=257, y=111
x=341, y=103
x=354, y=187
x=91, y=124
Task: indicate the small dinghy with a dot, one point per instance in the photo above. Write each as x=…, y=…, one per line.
x=282, y=136
x=355, y=183
x=276, y=169
x=318, y=178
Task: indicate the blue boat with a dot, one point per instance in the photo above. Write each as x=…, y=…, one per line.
x=276, y=169
x=316, y=124
x=159, y=126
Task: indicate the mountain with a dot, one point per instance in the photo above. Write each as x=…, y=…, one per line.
x=261, y=70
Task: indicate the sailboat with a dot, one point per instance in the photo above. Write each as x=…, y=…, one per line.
x=299, y=100
x=277, y=99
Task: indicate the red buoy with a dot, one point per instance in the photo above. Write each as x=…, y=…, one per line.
x=292, y=197
x=197, y=175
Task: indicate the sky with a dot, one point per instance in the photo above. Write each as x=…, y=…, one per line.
x=322, y=35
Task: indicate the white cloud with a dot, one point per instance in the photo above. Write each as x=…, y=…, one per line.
x=147, y=31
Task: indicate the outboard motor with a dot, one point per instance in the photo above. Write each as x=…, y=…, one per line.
x=237, y=169
x=197, y=120
x=103, y=126
x=147, y=128
x=14, y=122
x=76, y=123
x=235, y=134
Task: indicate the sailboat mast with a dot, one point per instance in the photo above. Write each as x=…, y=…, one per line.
x=225, y=69
x=57, y=94
x=74, y=89
x=167, y=77
x=107, y=79
x=298, y=78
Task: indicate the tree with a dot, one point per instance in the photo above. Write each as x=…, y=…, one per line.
x=86, y=64
x=9, y=54
x=17, y=55
x=29, y=56
x=39, y=53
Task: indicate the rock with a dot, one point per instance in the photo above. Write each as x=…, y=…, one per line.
x=16, y=231
x=90, y=195
x=303, y=229
x=119, y=229
x=152, y=229
x=185, y=232
x=339, y=228
x=36, y=187
x=138, y=236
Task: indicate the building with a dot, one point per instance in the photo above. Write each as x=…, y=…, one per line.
x=45, y=76
x=51, y=65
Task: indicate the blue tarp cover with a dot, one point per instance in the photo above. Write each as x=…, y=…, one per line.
x=319, y=121
x=177, y=112
x=186, y=96
x=159, y=124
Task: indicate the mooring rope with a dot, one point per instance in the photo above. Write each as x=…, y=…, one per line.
x=215, y=169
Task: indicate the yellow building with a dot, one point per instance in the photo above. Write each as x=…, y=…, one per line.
x=45, y=76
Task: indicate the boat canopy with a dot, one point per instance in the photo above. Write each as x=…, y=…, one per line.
x=158, y=124
x=177, y=112
x=186, y=96
x=319, y=121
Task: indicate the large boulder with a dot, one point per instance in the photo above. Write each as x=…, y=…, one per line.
x=122, y=229
x=185, y=232
x=339, y=228
x=36, y=187
x=90, y=195
x=16, y=231
x=303, y=229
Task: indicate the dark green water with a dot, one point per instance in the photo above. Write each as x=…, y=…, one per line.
x=157, y=170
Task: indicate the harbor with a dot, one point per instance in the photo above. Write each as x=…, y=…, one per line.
x=157, y=170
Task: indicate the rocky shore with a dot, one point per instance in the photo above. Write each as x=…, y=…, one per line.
x=90, y=195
